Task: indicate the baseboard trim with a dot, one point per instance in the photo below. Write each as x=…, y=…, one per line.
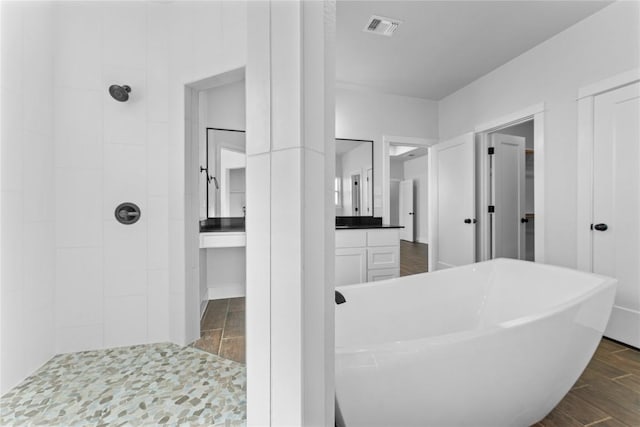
x=203, y=307
x=624, y=326
x=232, y=290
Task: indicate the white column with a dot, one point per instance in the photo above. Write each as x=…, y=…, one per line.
x=290, y=213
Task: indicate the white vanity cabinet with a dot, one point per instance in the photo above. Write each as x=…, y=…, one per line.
x=367, y=255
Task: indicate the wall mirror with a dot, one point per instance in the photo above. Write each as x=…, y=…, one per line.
x=224, y=173
x=354, y=177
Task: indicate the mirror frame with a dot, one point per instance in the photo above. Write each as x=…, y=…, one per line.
x=207, y=129
x=373, y=174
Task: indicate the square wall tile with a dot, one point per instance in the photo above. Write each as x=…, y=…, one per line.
x=125, y=321
x=79, y=338
x=125, y=177
x=38, y=326
x=12, y=242
x=79, y=287
x=12, y=347
x=158, y=245
x=11, y=44
x=158, y=305
x=78, y=208
x=121, y=282
x=11, y=141
x=125, y=246
x=125, y=34
x=39, y=264
x=77, y=118
x=78, y=47
x=38, y=178
x=158, y=159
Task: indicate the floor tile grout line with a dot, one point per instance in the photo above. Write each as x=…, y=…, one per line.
x=621, y=376
x=224, y=326
x=599, y=421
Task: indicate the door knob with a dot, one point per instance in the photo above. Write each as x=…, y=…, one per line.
x=523, y=220
x=410, y=213
x=470, y=221
x=599, y=227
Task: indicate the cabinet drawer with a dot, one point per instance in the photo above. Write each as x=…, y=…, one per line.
x=388, y=237
x=383, y=274
x=351, y=238
x=383, y=257
x=351, y=266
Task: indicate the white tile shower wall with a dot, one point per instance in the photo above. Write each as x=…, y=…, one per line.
x=108, y=152
x=27, y=260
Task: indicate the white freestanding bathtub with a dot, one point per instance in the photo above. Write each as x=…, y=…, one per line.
x=497, y=343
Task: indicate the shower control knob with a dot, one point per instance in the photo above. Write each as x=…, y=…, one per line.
x=601, y=227
x=127, y=213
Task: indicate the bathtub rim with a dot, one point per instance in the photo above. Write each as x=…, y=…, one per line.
x=459, y=336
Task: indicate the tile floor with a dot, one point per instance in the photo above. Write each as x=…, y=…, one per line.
x=606, y=395
x=413, y=258
x=156, y=384
x=222, y=329
x=168, y=384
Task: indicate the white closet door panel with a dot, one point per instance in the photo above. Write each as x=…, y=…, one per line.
x=616, y=192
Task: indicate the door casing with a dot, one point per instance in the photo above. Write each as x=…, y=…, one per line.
x=535, y=113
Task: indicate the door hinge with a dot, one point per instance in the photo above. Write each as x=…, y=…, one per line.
x=491, y=150
x=492, y=209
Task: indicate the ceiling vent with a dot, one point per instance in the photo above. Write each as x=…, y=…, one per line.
x=381, y=25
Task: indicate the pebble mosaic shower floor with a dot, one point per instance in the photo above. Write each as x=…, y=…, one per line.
x=155, y=384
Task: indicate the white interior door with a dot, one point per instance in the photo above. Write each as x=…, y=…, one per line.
x=368, y=194
x=616, y=205
x=452, y=203
x=407, y=216
x=508, y=183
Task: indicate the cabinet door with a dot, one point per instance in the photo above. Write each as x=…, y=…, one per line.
x=351, y=266
x=383, y=274
x=383, y=257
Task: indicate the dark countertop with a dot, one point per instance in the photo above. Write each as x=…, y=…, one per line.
x=222, y=225
x=358, y=227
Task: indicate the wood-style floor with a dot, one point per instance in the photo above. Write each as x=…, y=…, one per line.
x=413, y=258
x=606, y=395
x=222, y=329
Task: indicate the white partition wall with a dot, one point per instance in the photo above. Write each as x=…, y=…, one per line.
x=290, y=213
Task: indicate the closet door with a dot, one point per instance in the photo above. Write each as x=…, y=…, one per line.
x=616, y=205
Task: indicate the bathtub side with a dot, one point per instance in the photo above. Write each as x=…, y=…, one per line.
x=508, y=376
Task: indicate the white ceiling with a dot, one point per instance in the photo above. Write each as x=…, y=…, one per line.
x=442, y=46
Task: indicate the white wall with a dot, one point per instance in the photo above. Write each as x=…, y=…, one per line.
x=364, y=114
x=226, y=106
x=117, y=284
x=602, y=45
x=222, y=107
x=27, y=260
x=416, y=169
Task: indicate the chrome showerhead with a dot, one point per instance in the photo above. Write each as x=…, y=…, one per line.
x=119, y=93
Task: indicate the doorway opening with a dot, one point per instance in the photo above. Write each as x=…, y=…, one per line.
x=216, y=239
x=478, y=184
x=406, y=163
x=511, y=231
